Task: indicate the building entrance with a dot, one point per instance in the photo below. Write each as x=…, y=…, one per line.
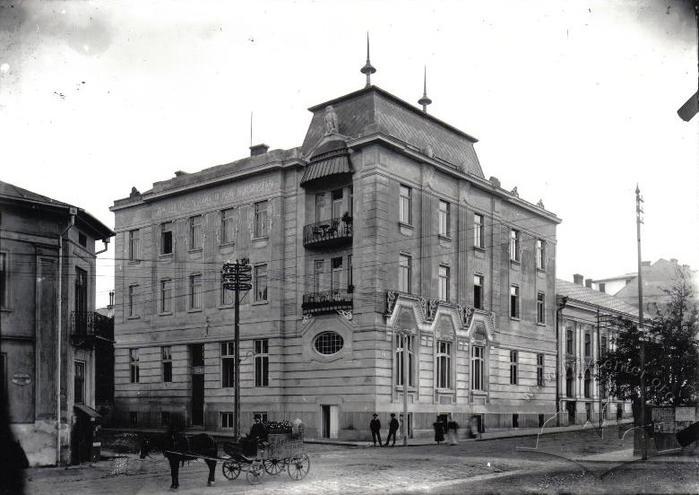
x=329, y=421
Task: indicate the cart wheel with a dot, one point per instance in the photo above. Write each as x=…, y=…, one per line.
x=273, y=466
x=254, y=474
x=299, y=467
x=231, y=469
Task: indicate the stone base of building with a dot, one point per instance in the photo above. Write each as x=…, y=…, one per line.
x=38, y=440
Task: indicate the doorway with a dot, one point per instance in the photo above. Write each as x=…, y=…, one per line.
x=570, y=407
x=197, y=362
x=329, y=421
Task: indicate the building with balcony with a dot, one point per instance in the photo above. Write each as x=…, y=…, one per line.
x=47, y=301
x=381, y=223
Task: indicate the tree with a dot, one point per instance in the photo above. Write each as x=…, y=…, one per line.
x=671, y=368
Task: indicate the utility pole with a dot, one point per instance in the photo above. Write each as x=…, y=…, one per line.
x=639, y=221
x=237, y=276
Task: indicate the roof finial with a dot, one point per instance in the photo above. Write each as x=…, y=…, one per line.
x=368, y=69
x=424, y=101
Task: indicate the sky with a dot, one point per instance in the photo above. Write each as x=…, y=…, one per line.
x=573, y=102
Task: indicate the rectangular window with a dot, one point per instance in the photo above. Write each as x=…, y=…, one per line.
x=587, y=344
x=261, y=359
x=132, y=301
x=166, y=238
x=227, y=364
x=336, y=273
x=405, y=205
x=444, y=219
x=540, y=370
x=513, y=367
x=540, y=254
x=134, y=245
x=166, y=296
x=443, y=364
x=79, y=382
x=478, y=291
x=405, y=273
x=514, y=301
x=603, y=346
x=227, y=232
x=337, y=203
x=165, y=418
x=166, y=355
x=569, y=340
x=82, y=239
x=261, y=283
x=196, y=353
x=320, y=207
x=478, y=231
x=400, y=374
x=318, y=269
x=195, y=291
x=227, y=420
x=227, y=295
x=195, y=238
x=540, y=308
x=477, y=367
x=133, y=418
x=515, y=421
x=514, y=245
x=350, y=284
x=134, y=366
x=443, y=283
x=261, y=220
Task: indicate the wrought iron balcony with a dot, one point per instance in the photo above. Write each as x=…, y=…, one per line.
x=82, y=328
x=327, y=301
x=328, y=233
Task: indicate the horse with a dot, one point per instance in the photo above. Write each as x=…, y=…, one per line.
x=178, y=447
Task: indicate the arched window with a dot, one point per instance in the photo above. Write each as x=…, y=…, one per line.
x=586, y=384
x=569, y=382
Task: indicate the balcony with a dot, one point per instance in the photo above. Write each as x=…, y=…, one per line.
x=327, y=301
x=328, y=233
x=82, y=328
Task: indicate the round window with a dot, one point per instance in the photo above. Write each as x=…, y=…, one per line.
x=328, y=343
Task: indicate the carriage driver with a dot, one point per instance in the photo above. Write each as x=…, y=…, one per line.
x=258, y=431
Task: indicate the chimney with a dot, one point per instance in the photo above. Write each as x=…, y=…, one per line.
x=602, y=287
x=180, y=173
x=588, y=283
x=577, y=279
x=258, y=149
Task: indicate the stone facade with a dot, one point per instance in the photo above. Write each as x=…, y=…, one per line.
x=367, y=229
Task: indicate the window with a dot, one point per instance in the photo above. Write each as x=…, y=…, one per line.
x=405, y=273
x=166, y=296
x=514, y=245
x=227, y=364
x=443, y=283
x=227, y=420
x=134, y=245
x=166, y=238
x=261, y=415
x=515, y=421
x=478, y=231
x=478, y=291
x=227, y=295
x=570, y=343
x=540, y=308
x=261, y=283
x=337, y=203
x=477, y=367
x=195, y=232
x=443, y=364
x=195, y=291
x=540, y=254
x=82, y=239
x=165, y=418
x=261, y=220
x=587, y=344
x=603, y=347
x=3, y=280
x=166, y=354
x=132, y=301
x=227, y=233
x=405, y=205
x=513, y=367
x=336, y=273
x=320, y=207
x=318, y=269
x=586, y=384
x=133, y=418
x=540, y=370
x=514, y=301
x=569, y=382
x=588, y=411
x=196, y=353
x=133, y=366
x=444, y=218
x=328, y=343
x=79, y=382
x=261, y=358
x=350, y=285
x=400, y=372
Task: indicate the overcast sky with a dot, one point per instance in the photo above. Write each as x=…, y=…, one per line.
x=573, y=102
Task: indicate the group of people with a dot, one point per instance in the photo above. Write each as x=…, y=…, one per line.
x=441, y=427
x=375, y=427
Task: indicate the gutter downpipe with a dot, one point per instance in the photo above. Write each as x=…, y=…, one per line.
x=73, y=212
x=561, y=304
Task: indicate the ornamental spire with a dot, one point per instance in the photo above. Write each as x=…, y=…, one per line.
x=424, y=101
x=368, y=69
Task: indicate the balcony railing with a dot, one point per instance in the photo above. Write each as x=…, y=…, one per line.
x=82, y=328
x=327, y=301
x=328, y=233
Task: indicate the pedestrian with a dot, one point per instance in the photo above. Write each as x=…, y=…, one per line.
x=258, y=432
x=392, y=429
x=375, y=427
x=438, y=430
x=453, y=431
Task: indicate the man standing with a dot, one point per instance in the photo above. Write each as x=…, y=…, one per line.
x=392, y=429
x=375, y=427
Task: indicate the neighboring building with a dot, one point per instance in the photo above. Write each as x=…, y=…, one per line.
x=381, y=221
x=104, y=360
x=34, y=311
x=611, y=285
x=588, y=325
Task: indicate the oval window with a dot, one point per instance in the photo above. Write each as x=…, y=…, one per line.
x=328, y=343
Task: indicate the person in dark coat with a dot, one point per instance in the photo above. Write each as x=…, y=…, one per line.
x=438, y=430
x=392, y=429
x=375, y=427
x=258, y=431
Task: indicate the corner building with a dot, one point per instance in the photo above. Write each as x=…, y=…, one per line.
x=381, y=221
